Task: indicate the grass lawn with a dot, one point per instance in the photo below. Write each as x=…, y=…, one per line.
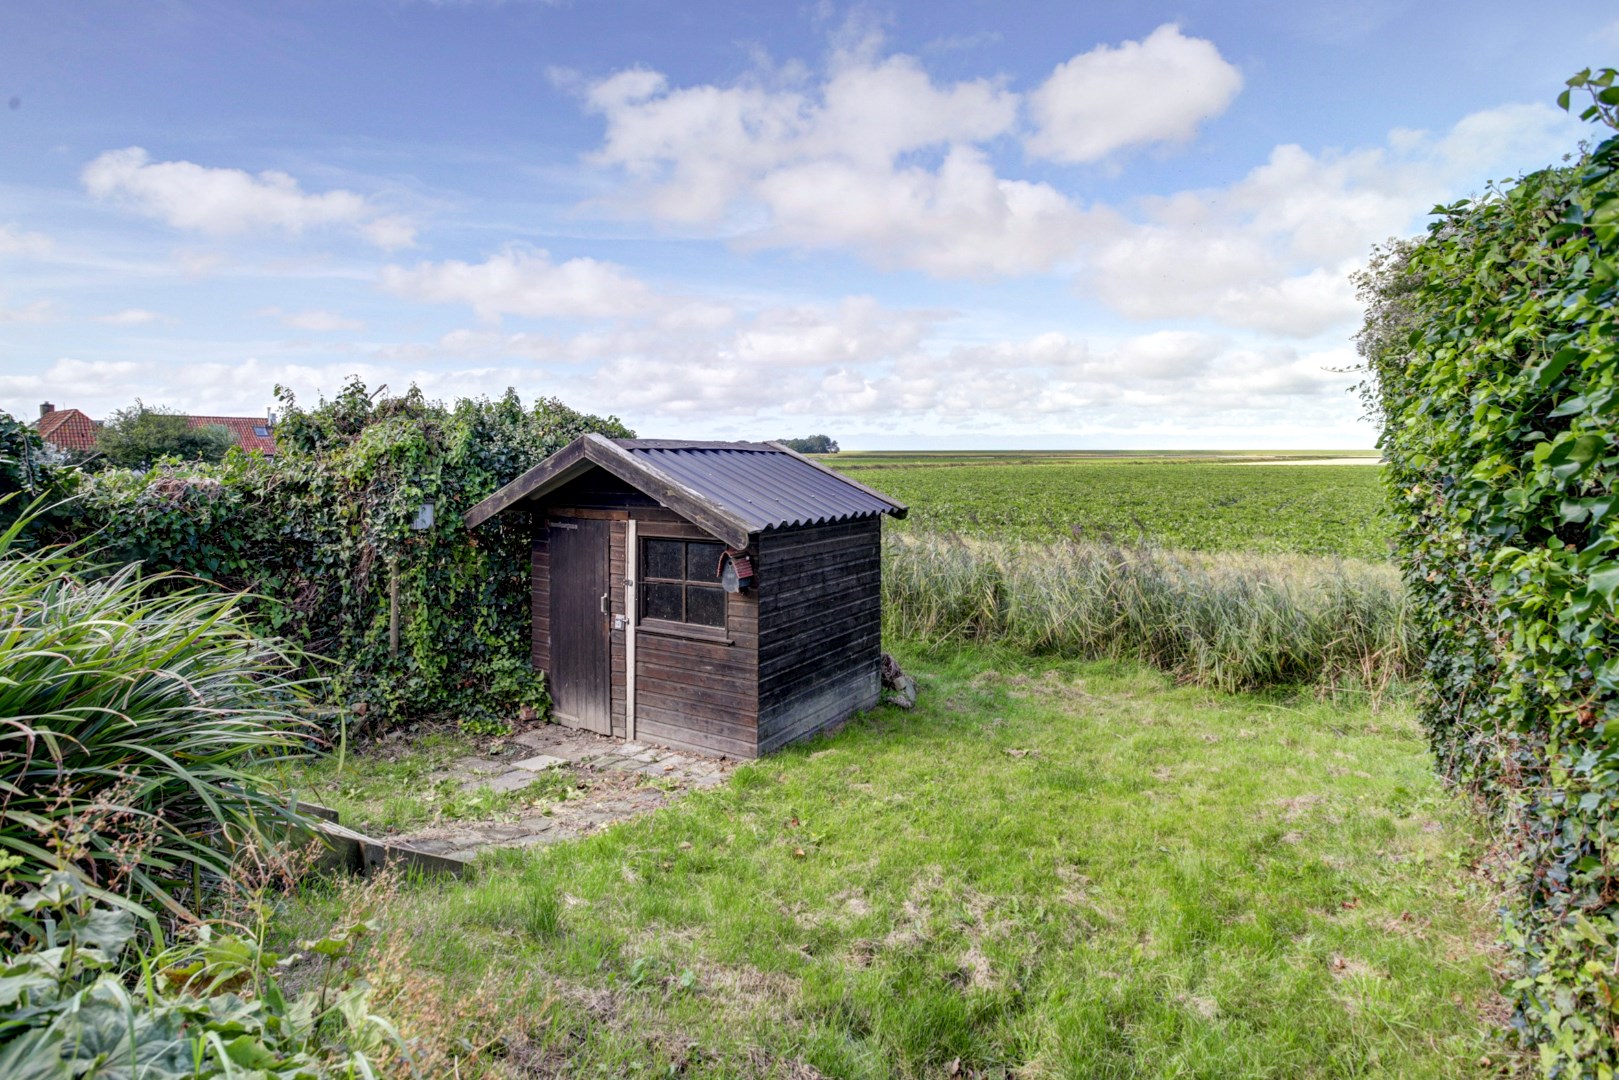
x=397, y=786
x=1047, y=869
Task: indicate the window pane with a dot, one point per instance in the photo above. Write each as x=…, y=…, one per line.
x=703, y=561
x=662, y=602
x=705, y=606
x=663, y=559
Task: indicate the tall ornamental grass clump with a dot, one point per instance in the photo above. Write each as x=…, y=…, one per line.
x=128, y=709
x=1225, y=621
x=1494, y=346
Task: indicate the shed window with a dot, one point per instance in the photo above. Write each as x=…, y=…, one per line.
x=680, y=582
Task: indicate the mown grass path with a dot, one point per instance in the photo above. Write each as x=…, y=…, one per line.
x=1045, y=870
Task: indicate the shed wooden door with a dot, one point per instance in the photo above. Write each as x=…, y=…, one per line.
x=581, y=632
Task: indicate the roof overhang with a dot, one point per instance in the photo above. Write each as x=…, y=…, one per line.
x=596, y=451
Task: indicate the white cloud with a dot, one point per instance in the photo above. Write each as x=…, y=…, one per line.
x=878, y=157
x=1273, y=251
x=74, y=383
x=315, y=321
x=959, y=220
x=520, y=281
x=226, y=202
x=1054, y=381
x=664, y=360
x=1159, y=89
x=15, y=241
x=132, y=317
x=843, y=164
x=31, y=314
x=839, y=367
x=866, y=113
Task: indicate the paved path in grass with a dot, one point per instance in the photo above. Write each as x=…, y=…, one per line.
x=620, y=780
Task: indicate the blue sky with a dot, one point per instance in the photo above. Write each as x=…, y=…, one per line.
x=941, y=224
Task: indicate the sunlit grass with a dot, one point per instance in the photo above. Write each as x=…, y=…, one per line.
x=400, y=786
x=1057, y=868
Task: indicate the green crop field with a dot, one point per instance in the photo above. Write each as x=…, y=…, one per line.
x=1207, y=502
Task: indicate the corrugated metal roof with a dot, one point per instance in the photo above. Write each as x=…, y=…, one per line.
x=733, y=490
x=762, y=485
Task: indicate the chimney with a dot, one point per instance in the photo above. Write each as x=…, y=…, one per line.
x=269, y=418
x=45, y=409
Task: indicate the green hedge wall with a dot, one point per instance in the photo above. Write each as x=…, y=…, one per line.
x=320, y=534
x=1494, y=343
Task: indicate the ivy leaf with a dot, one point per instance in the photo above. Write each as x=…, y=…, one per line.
x=1547, y=373
x=1605, y=581
x=1570, y=457
x=1588, y=931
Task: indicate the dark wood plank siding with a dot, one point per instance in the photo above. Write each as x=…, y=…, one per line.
x=692, y=695
x=802, y=651
x=698, y=695
x=599, y=489
x=820, y=627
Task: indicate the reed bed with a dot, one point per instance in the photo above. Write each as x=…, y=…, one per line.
x=1227, y=621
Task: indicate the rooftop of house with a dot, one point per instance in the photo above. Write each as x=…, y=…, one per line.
x=67, y=429
x=252, y=432
x=70, y=429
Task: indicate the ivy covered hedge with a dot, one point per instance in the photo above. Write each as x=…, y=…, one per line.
x=322, y=536
x=1494, y=342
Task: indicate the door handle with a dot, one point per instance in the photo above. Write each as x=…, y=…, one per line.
x=605, y=595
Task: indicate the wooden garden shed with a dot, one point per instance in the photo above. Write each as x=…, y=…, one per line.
x=722, y=597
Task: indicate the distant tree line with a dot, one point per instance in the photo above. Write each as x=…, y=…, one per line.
x=811, y=444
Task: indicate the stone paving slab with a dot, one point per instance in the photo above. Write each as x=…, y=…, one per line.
x=540, y=762
x=616, y=778
x=514, y=780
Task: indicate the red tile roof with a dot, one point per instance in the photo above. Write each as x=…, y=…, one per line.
x=68, y=429
x=245, y=428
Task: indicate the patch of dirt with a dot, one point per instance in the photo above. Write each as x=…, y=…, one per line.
x=854, y=903
x=1207, y=1008
x=1297, y=807
x=975, y=922
x=1021, y=685
x=766, y=1066
x=861, y=953
x=975, y=967
x=746, y=988
x=1405, y=925
x=1076, y=886
x=1348, y=967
